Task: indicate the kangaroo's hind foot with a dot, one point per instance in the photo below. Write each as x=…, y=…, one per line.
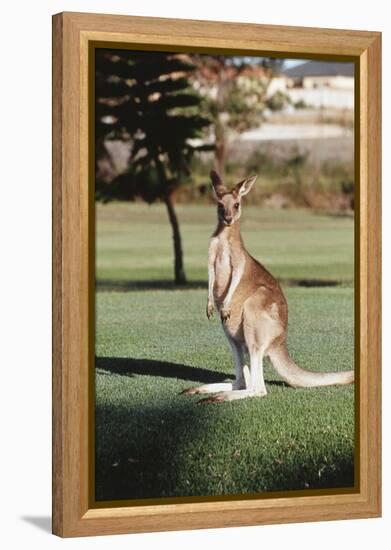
x=223, y=396
x=209, y=388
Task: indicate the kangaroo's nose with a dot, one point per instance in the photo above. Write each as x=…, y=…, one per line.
x=228, y=219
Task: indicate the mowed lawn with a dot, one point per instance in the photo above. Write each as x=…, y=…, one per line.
x=153, y=341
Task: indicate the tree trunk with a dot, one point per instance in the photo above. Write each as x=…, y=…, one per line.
x=220, y=157
x=180, y=277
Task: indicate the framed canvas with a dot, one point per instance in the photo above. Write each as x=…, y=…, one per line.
x=138, y=109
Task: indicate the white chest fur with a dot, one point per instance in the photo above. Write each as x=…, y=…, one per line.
x=223, y=257
x=222, y=263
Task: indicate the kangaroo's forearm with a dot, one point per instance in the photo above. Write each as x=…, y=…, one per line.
x=237, y=274
x=211, y=282
x=211, y=269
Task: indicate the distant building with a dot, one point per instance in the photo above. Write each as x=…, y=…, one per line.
x=279, y=83
x=321, y=84
x=321, y=74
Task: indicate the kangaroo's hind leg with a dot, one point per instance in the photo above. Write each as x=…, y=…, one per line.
x=261, y=328
x=242, y=372
x=257, y=383
x=241, y=388
x=249, y=382
x=242, y=379
x=218, y=386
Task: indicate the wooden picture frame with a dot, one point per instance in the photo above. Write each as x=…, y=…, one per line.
x=74, y=37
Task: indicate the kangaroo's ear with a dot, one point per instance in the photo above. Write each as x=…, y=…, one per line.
x=218, y=186
x=243, y=187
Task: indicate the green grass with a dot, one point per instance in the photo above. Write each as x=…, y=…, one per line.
x=151, y=344
x=134, y=242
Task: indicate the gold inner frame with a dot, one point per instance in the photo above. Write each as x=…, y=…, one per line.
x=92, y=47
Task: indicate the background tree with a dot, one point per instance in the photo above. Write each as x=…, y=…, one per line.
x=145, y=100
x=235, y=92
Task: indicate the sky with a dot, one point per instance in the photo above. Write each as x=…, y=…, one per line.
x=289, y=63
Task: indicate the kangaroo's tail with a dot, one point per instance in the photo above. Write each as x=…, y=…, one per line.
x=300, y=378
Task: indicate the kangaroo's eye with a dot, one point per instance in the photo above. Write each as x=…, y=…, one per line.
x=236, y=205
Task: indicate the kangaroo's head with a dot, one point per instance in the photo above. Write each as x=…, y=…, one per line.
x=229, y=202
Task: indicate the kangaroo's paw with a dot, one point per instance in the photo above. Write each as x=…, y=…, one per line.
x=208, y=388
x=210, y=309
x=225, y=314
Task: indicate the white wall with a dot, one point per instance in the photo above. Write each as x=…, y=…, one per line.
x=323, y=97
x=25, y=219
x=344, y=82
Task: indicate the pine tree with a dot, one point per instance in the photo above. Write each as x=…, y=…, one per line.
x=145, y=99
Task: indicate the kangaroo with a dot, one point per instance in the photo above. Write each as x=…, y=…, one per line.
x=252, y=307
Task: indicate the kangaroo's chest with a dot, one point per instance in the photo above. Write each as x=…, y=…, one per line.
x=223, y=263
x=223, y=267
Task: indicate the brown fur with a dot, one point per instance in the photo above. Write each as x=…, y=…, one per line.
x=252, y=306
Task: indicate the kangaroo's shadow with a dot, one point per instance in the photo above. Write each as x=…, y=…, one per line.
x=130, y=366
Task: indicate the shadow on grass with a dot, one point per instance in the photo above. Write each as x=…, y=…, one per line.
x=117, y=285
x=151, y=445
x=311, y=283
x=141, y=452
x=343, y=214
x=176, y=448
x=127, y=366
x=149, y=367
